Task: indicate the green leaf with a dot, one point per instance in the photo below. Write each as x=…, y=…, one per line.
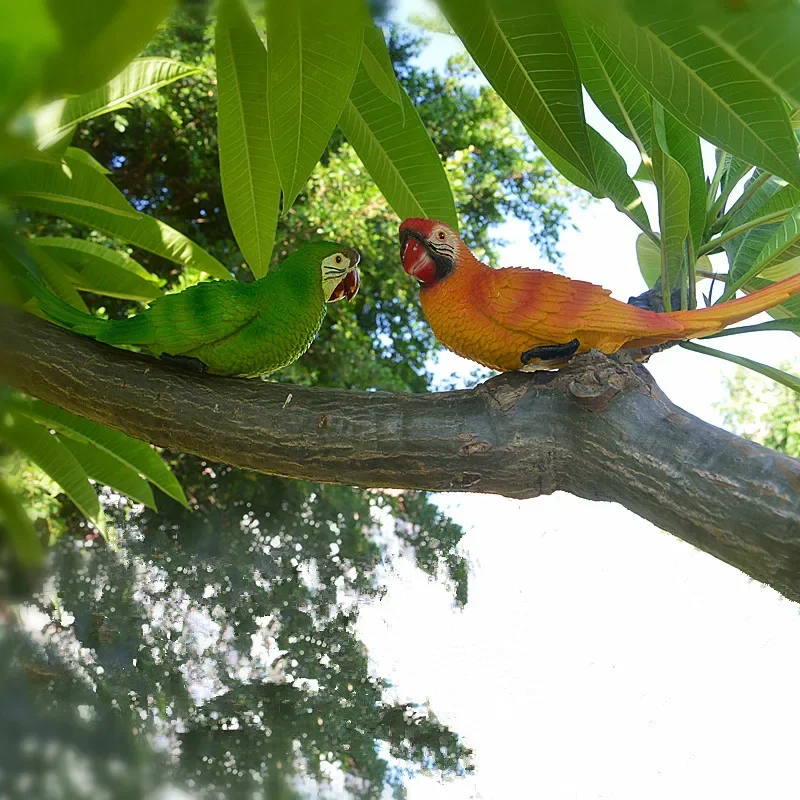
x=143, y=231
x=70, y=183
x=313, y=53
x=766, y=200
x=782, y=245
x=377, y=62
x=789, y=324
x=572, y=174
x=394, y=146
x=50, y=455
x=27, y=36
x=59, y=278
x=143, y=75
x=250, y=183
x=673, y=187
x=643, y=173
x=684, y=147
x=648, y=254
x=76, y=154
x=134, y=454
x=18, y=267
x=98, y=38
x=611, y=84
x=110, y=471
x=523, y=49
x=24, y=541
x=761, y=37
x=81, y=194
x=790, y=381
x=78, y=252
x=789, y=309
x=701, y=84
x=613, y=179
x=101, y=270
x=733, y=171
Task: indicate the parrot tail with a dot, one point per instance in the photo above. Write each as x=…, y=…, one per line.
x=705, y=321
x=58, y=310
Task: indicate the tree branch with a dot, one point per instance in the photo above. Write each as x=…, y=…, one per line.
x=599, y=429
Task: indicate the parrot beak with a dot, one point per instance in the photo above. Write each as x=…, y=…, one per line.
x=417, y=260
x=349, y=285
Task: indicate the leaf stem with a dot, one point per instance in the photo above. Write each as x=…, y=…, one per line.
x=741, y=202
x=776, y=216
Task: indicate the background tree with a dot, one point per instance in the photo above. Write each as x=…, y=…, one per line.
x=763, y=412
x=253, y=555
x=664, y=75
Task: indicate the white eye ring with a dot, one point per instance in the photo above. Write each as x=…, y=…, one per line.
x=441, y=236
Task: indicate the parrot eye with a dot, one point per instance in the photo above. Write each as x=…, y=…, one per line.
x=338, y=259
x=441, y=236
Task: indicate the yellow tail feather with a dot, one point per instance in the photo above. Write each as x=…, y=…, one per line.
x=705, y=321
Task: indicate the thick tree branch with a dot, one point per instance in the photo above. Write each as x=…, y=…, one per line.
x=599, y=429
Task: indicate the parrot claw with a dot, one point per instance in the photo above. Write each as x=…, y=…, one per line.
x=549, y=352
x=185, y=362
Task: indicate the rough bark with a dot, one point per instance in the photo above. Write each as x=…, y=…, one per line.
x=598, y=429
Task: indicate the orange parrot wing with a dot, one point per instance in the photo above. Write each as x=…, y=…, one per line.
x=559, y=308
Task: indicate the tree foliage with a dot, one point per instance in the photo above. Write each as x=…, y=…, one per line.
x=763, y=412
x=222, y=147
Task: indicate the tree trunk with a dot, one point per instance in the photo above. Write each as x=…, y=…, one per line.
x=599, y=429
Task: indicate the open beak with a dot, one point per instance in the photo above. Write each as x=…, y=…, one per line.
x=348, y=286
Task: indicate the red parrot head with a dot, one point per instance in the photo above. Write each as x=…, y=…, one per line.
x=429, y=249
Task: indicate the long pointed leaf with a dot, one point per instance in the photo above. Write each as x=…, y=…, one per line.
x=313, y=53
x=792, y=324
x=648, y=255
x=524, y=51
x=69, y=183
x=788, y=380
x=78, y=252
x=613, y=178
x=701, y=84
x=250, y=182
x=98, y=38
x=59, y=277
x=81, y=194
x=377, y=62
x=110, y=471
x=788, y=310
x=610, y=83
x=138, y=456
x=140, y=76
x=50, y=455
x=762, y=37
x=94, y=271
x=397, y=152
x=77, y=154
x=684, y=147
x=24, y=541
x=783, y=244
x=673, y=206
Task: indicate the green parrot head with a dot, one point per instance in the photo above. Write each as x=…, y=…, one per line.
x=339, y=266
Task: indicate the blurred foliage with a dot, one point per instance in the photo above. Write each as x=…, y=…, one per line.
x=763, y=411
x=226, y=635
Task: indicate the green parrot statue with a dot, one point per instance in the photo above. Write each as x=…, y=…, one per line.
x=228, y=327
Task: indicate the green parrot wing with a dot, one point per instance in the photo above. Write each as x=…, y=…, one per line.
x=179, y=323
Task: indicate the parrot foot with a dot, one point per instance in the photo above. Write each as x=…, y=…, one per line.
x=549, y=352
x=185, y=362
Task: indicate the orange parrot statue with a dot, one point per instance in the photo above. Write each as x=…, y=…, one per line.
x=516, y=318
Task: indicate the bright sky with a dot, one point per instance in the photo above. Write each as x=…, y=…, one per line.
x=599, y=657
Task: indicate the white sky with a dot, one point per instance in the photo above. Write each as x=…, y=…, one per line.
x=599, y=657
